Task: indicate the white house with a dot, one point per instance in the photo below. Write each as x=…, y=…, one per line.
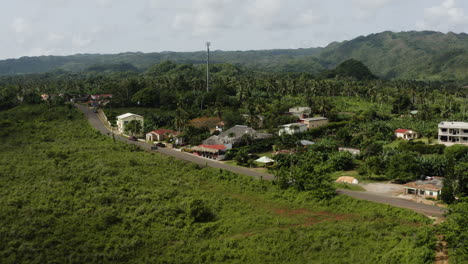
x=451, y=133
x=291, y=129
x=124, y=119
x=406, y=134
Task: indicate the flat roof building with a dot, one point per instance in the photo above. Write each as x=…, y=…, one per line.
x=451, y=133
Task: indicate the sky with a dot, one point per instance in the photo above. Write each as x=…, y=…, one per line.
x=65, y=27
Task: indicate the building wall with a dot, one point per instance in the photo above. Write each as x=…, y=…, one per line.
x=121, y=122
x=290, y=131
x=451, y=136
x=315, y=124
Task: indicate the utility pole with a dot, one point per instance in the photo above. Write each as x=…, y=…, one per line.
x=208, y=44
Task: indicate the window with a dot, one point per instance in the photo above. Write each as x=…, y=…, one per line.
x=431, y=193
x=125, y=122
x=465, y=131
x=444, y=130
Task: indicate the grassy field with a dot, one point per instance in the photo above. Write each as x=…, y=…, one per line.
x=71, y=195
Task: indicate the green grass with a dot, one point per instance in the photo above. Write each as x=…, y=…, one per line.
x=347, y=186
x=71, y=195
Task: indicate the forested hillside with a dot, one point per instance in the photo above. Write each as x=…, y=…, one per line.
x=406, y=55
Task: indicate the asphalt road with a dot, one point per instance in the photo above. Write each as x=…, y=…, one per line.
x=420, y=208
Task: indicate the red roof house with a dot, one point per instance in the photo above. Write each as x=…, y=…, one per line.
x=160, y=134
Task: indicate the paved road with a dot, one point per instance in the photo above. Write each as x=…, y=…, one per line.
x=426, y=209
x=98, y=124
x=421, y=208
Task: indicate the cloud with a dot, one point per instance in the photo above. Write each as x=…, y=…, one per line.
x=207, y=17
x=20, y=25
x=372, y=4
x=444, y=16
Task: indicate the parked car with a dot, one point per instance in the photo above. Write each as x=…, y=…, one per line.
x=161, y=145
x=133, y=138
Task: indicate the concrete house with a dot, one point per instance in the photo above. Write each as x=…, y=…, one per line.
x=431, y=187
x=124, y=119
x=291, y=129
x=451, y=133
x=300, y=112
x=406, y=134
x=315, y=122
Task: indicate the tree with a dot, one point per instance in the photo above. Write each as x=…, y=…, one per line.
x=400, y=104
x=180, y=119
x=403, y=167
x=134, y=127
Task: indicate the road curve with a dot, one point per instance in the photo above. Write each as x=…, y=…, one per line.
x=374, y=197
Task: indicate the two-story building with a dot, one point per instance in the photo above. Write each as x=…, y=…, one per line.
x=123, y=120
x=451, y=133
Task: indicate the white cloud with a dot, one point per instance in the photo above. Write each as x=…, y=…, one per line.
x=20, y=25
x=372, y=4
x=446, y=16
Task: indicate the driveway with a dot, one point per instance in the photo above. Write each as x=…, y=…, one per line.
x=372, y=195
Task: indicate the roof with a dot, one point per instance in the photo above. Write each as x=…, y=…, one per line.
x=401, y=130
x=209, y=148
x=446, y=124
x=306, y=142
x=300, y=109
x=127, y=115
x=234, y=135
x=163, y=131
x=218, y=146
x=265, y=159
x=319, y=118
x=433, y=184
x=294, y=124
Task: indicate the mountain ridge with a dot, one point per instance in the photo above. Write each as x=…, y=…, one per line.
x=427, y=55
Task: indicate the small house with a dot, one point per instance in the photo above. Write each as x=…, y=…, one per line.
x=160, y=135
x=315, y=122
x=291, y=129
x=430, y=187
x=406, y=134
x=124, y=119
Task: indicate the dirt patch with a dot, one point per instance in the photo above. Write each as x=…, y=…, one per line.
x=302, y=217
x=389, y=189
x=441, y=251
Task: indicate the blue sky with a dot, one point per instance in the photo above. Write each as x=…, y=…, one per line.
x=64, y=27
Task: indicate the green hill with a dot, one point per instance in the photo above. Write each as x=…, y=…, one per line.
x=405, y=55
x=424, y=55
